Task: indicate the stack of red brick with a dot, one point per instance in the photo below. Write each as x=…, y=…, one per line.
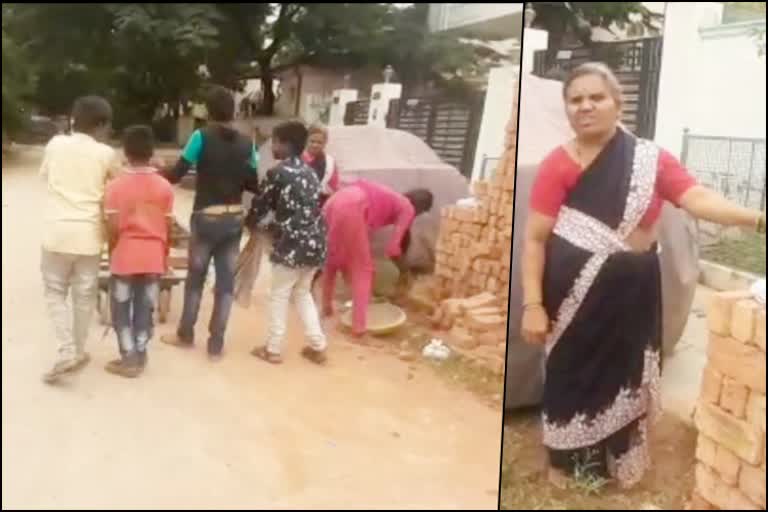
x=473, y=262
x=475, y=242
x=730, y=471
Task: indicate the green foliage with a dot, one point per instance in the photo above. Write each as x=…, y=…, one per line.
x=18, y=77
x=578, y=18
x=141, y=55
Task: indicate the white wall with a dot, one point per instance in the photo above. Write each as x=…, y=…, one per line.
x=712, y=79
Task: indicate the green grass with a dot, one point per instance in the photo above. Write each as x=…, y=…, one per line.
x=747, y=253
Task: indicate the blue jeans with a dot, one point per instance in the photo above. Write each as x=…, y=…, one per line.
x=214, y=237
x=133, y=300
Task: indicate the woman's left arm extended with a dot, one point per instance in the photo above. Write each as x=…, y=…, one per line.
x=706, y=204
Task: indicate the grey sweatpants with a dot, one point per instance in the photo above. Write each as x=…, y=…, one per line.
x=79, y=274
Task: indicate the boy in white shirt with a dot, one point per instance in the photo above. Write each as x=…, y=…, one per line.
x=76, y=169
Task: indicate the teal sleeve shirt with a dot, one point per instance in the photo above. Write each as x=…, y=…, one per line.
x=194, y=149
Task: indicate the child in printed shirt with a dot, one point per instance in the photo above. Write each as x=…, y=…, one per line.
x=291, y=195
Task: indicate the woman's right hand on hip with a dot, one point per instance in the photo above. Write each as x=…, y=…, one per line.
x=535, y=325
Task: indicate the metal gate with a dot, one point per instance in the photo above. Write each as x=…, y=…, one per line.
x=357, y=112
x=735, y=167
x=637, y=65
x=450, y=126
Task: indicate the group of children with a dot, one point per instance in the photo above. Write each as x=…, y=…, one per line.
x=314, y=221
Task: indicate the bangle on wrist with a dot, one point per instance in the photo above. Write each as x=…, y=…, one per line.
x=530, y=305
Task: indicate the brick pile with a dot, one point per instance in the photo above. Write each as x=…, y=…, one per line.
x=475, y=242
x=472, y=263
x=730, y=469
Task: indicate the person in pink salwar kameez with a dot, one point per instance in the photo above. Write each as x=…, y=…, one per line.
x=352, y=214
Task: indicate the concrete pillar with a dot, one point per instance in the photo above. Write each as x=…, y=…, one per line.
x=339, y=105
x=535, y=40
x=381, y=95
x=499, y=103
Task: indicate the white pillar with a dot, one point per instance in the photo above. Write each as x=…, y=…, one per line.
x=381, y=95
x=500, y=99
x=535, y=40
x=339, y=105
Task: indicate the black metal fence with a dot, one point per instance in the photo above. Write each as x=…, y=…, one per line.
x=357, y=112
x=636, y=63
x=733, y=166
x=450, y=126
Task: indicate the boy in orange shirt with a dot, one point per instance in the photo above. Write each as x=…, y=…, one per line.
x=138, y=206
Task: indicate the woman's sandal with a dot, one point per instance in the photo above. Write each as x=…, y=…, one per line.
x=315, y=356
x=263, y=354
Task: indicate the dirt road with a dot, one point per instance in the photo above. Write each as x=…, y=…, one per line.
x=234, y=434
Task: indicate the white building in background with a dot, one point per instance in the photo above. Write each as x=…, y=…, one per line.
x=712, y=75
x=488, y=21
x=501, y=25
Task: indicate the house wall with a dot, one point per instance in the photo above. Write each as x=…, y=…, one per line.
x=316, y=90
x=712, y=77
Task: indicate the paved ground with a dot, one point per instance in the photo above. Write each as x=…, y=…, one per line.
x=237, y=434
x=682, y=374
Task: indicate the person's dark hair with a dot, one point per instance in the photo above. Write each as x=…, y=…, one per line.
x=292, y=133
x=220, y=104
x=421, y=199
x=90, y=113
x=139, y=143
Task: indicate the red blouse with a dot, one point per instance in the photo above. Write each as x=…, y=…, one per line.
x=559, y=173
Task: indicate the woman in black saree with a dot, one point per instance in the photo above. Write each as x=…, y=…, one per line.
x=591, y=283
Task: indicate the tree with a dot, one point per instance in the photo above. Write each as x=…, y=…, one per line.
x=561, y=19
x=267, y=38
x=274, y=37
x=143, y=55
x=18, y=77
x=138, y=55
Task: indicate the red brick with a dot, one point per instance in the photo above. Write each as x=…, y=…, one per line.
x=721, y=495
x=752, y=484
x=756, y=410
x=706, y=451
x=742, y=439
x=720, y=309
x=734, y=398
x=711, y=386
x=479, y=301
x=743, y=363
x=727, y=465
x=743, y=320
x=760, y=329
x=485, y=322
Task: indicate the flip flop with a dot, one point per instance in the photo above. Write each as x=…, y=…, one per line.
x=315, y=356
x=263, y=354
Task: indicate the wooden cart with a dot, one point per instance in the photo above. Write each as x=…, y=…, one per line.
x=177, y=273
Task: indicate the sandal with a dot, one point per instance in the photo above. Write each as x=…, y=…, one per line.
x=315, y=356
x=265, y=355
